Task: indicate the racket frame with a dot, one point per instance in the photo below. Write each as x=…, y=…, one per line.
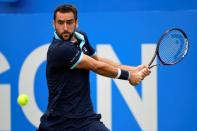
x=158, y=45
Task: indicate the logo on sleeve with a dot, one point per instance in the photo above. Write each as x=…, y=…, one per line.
x=85, y=50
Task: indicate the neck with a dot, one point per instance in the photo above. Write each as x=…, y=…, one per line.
x=73, y=39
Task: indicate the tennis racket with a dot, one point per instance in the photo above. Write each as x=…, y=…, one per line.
x=171, y=48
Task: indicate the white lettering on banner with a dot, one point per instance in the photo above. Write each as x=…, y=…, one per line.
x=5, y=97
x=4, y=65
x=144, y=109
x=26, y=82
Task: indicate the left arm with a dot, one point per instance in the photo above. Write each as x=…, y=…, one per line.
x=107, y=61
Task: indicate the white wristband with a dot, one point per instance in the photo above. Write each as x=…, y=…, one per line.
x=119, y=73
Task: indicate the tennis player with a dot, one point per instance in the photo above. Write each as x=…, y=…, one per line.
x=70, y=57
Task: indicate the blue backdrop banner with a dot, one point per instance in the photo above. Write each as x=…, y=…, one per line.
x=165, y=101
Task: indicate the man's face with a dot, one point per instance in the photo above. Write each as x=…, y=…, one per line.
x=65, y=25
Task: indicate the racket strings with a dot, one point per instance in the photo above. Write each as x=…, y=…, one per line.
x=172, y=47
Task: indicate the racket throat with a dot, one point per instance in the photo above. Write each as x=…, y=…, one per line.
x=153, y=66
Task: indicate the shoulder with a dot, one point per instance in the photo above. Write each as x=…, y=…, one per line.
x=81, y=32
x=81, y=35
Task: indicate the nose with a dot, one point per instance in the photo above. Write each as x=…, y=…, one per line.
x=65, y=26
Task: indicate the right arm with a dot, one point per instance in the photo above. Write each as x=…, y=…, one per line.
x=108, y=70
x=66, y=54
x=98, y=67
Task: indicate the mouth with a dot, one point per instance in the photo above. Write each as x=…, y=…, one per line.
x=65, y=35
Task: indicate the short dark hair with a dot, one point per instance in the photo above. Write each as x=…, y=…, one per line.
x=65, y=8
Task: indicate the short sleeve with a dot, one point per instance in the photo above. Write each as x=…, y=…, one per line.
x=85, y=44
x=67, y=55
x=90, y=48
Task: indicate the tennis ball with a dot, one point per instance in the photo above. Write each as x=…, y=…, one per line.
x=23, y=99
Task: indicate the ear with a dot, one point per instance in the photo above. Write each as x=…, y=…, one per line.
x=77, y=24
x=53, y=24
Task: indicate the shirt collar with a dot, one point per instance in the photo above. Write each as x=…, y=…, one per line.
x=56, y=36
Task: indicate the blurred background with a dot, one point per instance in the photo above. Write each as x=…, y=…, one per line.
x=123, y=30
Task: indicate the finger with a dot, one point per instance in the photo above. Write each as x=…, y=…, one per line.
x=140, y=67
x=133, y=83
x=146, y=71
x=142, y=73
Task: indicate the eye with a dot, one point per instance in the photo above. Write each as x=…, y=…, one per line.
x=70, y=22
x=60, y=22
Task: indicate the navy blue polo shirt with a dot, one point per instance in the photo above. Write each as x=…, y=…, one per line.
x=69, y=87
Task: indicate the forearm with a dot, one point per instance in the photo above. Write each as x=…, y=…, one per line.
x=134, y=77
x=128, y=68
x=105, y=69
x=112, y=63
x=98, y=67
